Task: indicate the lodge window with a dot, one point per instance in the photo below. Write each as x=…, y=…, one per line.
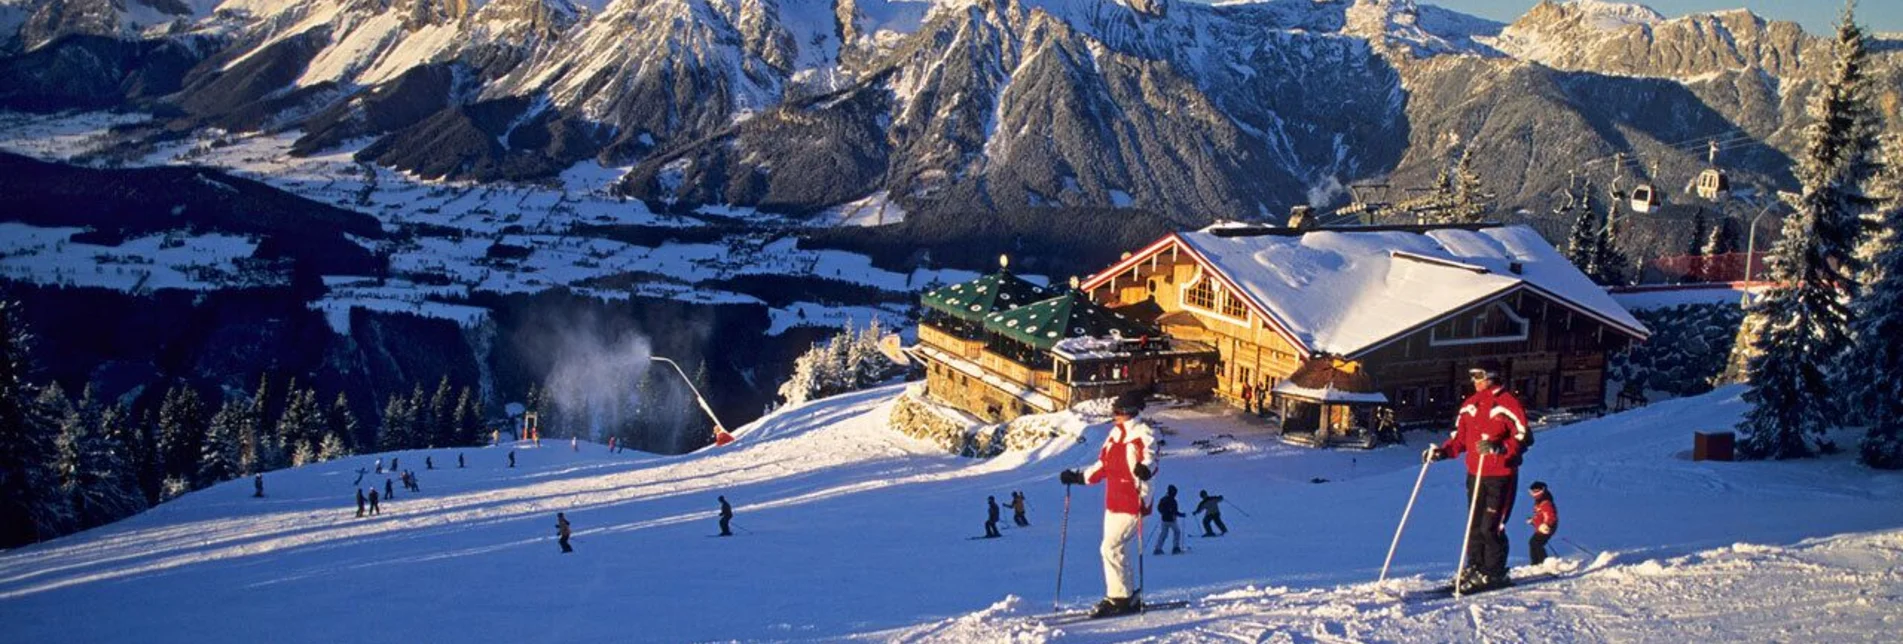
x=1408, y=397
x=1233, y=306
x=1568, y=384
x=1201, y=295
x=1497, y=323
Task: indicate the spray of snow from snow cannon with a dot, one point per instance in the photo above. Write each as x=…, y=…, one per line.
x=602, y=380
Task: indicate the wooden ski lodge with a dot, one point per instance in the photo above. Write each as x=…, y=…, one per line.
x=1350, y=331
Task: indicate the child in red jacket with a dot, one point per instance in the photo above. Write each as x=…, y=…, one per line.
x=1545, y=521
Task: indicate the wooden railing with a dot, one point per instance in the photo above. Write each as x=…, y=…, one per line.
x=939, y=338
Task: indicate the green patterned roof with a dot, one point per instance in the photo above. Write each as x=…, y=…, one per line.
x=973, y=300
x=1072, y=315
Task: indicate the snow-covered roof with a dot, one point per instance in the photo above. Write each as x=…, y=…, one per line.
x=1344, y=292
x=1329, y=394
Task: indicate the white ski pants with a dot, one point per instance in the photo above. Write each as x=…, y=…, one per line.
x=1118, y=576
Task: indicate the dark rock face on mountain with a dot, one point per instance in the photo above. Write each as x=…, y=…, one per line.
x=1186, y=110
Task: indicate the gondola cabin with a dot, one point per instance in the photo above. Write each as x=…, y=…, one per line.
x=1712, y=185
x=1646, y=199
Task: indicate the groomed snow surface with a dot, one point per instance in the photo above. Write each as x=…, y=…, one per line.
x=848, y=529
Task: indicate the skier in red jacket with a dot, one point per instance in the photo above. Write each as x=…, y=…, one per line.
x=1490, y=431
x=1545, y=522
x=1125, y=463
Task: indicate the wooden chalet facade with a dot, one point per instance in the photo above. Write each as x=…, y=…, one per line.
x=1408, y=309
x=999, y=347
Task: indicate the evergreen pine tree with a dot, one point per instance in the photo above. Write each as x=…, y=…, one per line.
x=1608, y=262
x=441, y=421
x=1469, y=203
x=51, y=513
x=1805, y=317
x=181, y=433
x=253, y=434
x=99, y=480
x=219, y=458
x=332, y=448
x=468, y=420
x=301, y=426
x=340, y=422
x=1721, y=239
x=1876, y=378
x=141, y=433
x=19, y=453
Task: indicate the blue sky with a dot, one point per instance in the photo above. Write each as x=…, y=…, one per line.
x=1817, y=16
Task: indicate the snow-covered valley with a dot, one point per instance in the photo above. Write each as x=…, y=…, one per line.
x=851, y=530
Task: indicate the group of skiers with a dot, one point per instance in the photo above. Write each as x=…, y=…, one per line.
x=1490, y=431
x=1017, y=514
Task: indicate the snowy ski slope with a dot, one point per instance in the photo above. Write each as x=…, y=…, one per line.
x=850, y=530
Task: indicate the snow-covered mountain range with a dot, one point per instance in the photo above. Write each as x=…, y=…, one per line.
x=1191, y=110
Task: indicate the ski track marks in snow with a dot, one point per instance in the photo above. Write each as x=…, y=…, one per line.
x=849, y=530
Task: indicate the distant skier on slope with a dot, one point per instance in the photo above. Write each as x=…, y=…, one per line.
x=1169, y=512
x=1125, y=463
x=1017, y=510
x=459, y=460
x=257, y=483
x=511, y=458
x=389, y=491
x=1490, y=430
x=429, y=463
x=373, y=502
x=991, y=520
x=561, y=530
x=360, y=502
x=379, y=465
x=1545, y=522
x=1211, y=509
x=726, y=517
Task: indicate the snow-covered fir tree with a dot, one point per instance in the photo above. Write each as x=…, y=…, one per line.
x=219, y=457
x=1701, y=230
x=99, y=480
x=850, y=361
x=340, y=422
x=181, y=433
x=1468, y=201
x=1805, y=324
x=301, y=426
x=468, y=419
x=1721, y=239
x=255, y=431
x=439, y=422
x=21, y=448
x=1876, y=376
x=52, y=510
x=332, y=448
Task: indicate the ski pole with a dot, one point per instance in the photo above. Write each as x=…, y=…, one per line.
x=1473, y=516
x=1239, y=509
x=1063, y=538
x=1579, y=547
x=1404, y=512
x=1141, y=549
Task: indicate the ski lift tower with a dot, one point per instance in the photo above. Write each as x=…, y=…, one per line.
x=721, y=437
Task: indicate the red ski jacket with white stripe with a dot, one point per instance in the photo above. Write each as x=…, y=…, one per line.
x=1125, y=447
x=1492, y=414
x=1545, y=517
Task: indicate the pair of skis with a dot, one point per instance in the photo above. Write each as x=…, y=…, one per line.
x=1473, y=512
x=1085, y=614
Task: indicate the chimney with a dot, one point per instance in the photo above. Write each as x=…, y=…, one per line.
x=1301, y=218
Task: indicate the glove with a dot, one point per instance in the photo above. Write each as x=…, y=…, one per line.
x=1432, y=454
x=1143, y=472
x=1490, y=447
x=1070, y=477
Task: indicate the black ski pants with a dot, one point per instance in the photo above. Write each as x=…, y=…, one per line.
x=565, y=546
x=1019, y=519
x=991, y=528
x=1536, y=547
x=1213, y=519
x=723, y=527
x=1487, y=540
